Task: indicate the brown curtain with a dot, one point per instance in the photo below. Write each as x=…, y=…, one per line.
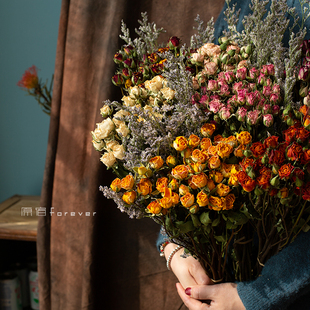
x=102, y=260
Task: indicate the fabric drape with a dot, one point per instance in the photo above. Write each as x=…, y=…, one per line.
x=90, y=255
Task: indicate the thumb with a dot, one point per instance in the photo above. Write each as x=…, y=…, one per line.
x=201, y=292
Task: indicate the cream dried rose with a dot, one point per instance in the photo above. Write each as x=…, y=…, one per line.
x=155, y=84
x=99, y=146
x=110, y=145
x=122, y=130
x=137, y=91
x=105, y=111
x=108, y=159
x=103, y=129
x=128, y=101
x=119, y=114
x=210, y=49
x=118, y=151
x=168, y=93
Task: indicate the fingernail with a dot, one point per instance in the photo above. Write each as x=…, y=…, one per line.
x=188, y=291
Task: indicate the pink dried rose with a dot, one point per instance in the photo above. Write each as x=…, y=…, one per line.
x=241, y=114
x=225, y=90
x=213, y=85
x=268, y=120
x=267, y=91
x=237, y=86
x=241, y=73
x=253, y=73
x=252, y=117
x=229, y=77
x=266, y=109
x=274, y=98
x=241, y=96
x=224, y=113
x=210, y=68
x=215, y=106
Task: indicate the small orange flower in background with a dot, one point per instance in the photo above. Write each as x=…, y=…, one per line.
x=187, y=200
x=283, y=192
x=31, y=83
x=154, y=207
x=295, y=152
x=127, y=182
x=244, y=137
x=180, y=143
x=208, y=129
x=156, y=162
x=238, y=152
x=29, y=79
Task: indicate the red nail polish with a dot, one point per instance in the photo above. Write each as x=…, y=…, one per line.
x=188, y=291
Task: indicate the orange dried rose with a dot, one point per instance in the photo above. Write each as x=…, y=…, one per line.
x=161, y=184
x=205, y=143
x=200, y=180
x=283, y=192
x=208, y=129
x=173, y=184
x=193, y=141
x=222, y=189
x=187, y=200
x=230, y=199
x=249, y=184
x=216, y=176
x=156, y=162
x=238, y=152
x=216, y=203
x=210, y=184
x=202, y=199
x=144, y=187
x=214, y=162
x=199, y=156
x=191, y=184
x=225, y=170
x=180, y=143
x=271, y=142
x=258, y=149
x=179, y=172
x=171, y=161
x=127, y=182
x=154, y=207
x=212, y=150
x=183, y=189
x=129, y=197
x=198, y=167
x=295, y=152
x=244, y=137
x=116, y=185
x=285, y=171
x=224, y=150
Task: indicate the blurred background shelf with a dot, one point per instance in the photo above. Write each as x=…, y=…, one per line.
x=19, y=217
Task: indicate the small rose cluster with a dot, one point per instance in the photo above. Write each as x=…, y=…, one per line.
x=232, y=89
x=134, y=69
x=109, y=133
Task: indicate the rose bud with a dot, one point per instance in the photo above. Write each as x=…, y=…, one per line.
x=303, y=73
x=118, y=58
x=117, y=79
x=173, y=42
x=128, y=49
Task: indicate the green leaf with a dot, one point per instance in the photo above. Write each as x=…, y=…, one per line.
x=185, y=227
x=216, y=222
x=205, y=218
x=195, y=220
x=221, y=239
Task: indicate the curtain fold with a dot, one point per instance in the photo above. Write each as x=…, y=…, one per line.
x=91, y=256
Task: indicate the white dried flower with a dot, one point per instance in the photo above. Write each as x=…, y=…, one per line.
x=128, y=101
x=105, y=111
x=119, y=114
x=103, y=129
x=108, y=159
x=155, y=84
x=99, y=146
x=168, y=93
x=118, y=151
x=122, y=130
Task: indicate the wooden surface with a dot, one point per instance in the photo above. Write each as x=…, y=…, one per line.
x=19, y=217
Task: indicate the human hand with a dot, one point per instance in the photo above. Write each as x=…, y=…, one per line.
x=188, y=270
x=222, y=296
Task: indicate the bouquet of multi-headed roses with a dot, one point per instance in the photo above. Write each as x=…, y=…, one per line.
x=212, y=141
